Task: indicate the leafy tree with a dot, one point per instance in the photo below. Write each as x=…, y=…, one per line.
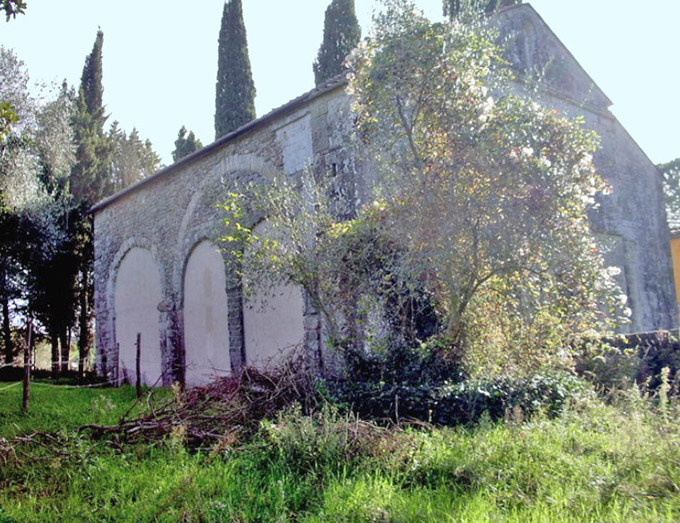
x=185, y=144
x=235, y=90
x=671, y=185
x=341, y=34
x=16, y=184
x=52, y=260
x=37, y=155
x=489, y=192
x=12, y=8
x=454, y=8
x=7, y=118
x=481, y=205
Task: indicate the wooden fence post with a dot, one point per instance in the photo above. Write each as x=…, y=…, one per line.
x=117, y=367
x=27, y=365
x=139, y=364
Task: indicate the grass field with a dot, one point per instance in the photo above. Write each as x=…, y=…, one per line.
x=596, y=463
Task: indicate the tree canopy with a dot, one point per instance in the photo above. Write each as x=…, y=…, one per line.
x=90, y=180
x=341, y=34
x=671, y=187
x=454, y=8
x=185, y=144
x=12, y=8
x=480, y=209
x=235, y=89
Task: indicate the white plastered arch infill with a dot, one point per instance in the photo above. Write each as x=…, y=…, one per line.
x=206, y=315
x=135, y=293
x=273, y=320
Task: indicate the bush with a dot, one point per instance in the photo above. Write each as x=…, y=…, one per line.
x=306, y=443
x=616, y=363
x=463, y=402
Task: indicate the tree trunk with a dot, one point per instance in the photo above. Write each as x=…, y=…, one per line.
x=6, y=330
x=65, y=350
x=84, y=324
x=27, y=365
x=54, y=341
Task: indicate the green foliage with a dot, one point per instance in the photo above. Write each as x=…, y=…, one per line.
x=458, y=8
x=132, y=160
x=185, y=144
x=7, y=118
x=90, y=179
x=670, y=173
x=341, y=34
x=12, y=8
x=323, y=440
x=605, y=365
x=487, y=190
x=461, y=402
x=235, y=90
x=618, y=362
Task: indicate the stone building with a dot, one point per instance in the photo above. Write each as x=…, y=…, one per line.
x=158, y=271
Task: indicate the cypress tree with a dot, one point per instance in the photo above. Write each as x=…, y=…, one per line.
x=91, y=78
x=90, y=181
x=185, y=144
x=341, y=34
x=235, y=90
x=89, y=178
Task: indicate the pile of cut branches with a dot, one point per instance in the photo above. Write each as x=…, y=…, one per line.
x=221, y=413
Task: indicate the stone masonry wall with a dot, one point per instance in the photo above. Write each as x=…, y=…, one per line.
x=178, y=209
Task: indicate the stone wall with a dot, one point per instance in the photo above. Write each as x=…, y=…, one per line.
x=175, y=210
x=631, y=221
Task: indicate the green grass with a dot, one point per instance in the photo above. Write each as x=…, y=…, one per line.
x=62, y=408
x=596, y=463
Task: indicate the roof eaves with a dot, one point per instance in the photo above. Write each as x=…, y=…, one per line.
x=326, y=87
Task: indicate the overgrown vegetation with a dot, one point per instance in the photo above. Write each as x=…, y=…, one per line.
x=476, y=245
x=598, y=461
x=455, y=303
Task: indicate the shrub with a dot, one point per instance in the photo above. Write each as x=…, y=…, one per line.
x=612, y=363
x=326, y=438
x=463, y=402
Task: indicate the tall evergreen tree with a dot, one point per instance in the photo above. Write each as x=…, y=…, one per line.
x=235, y=90
x=133, y=159
x=341, y=34
x=90, y=181
x=90, y=177
x=452, y=8
x=185, y=144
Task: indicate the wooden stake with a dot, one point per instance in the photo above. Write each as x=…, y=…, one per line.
x=139, y=364
x=27, y=365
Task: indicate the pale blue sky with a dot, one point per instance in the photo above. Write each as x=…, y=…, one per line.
x=160, y=57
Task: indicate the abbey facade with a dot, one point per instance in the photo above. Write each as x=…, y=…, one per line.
x=159, y=271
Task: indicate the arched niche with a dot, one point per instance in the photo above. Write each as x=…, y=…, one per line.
x=272, y=318
x=206, y=316
x=137, y=294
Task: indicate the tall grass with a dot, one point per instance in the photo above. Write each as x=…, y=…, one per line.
x=55, y=408
x=598, y=462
